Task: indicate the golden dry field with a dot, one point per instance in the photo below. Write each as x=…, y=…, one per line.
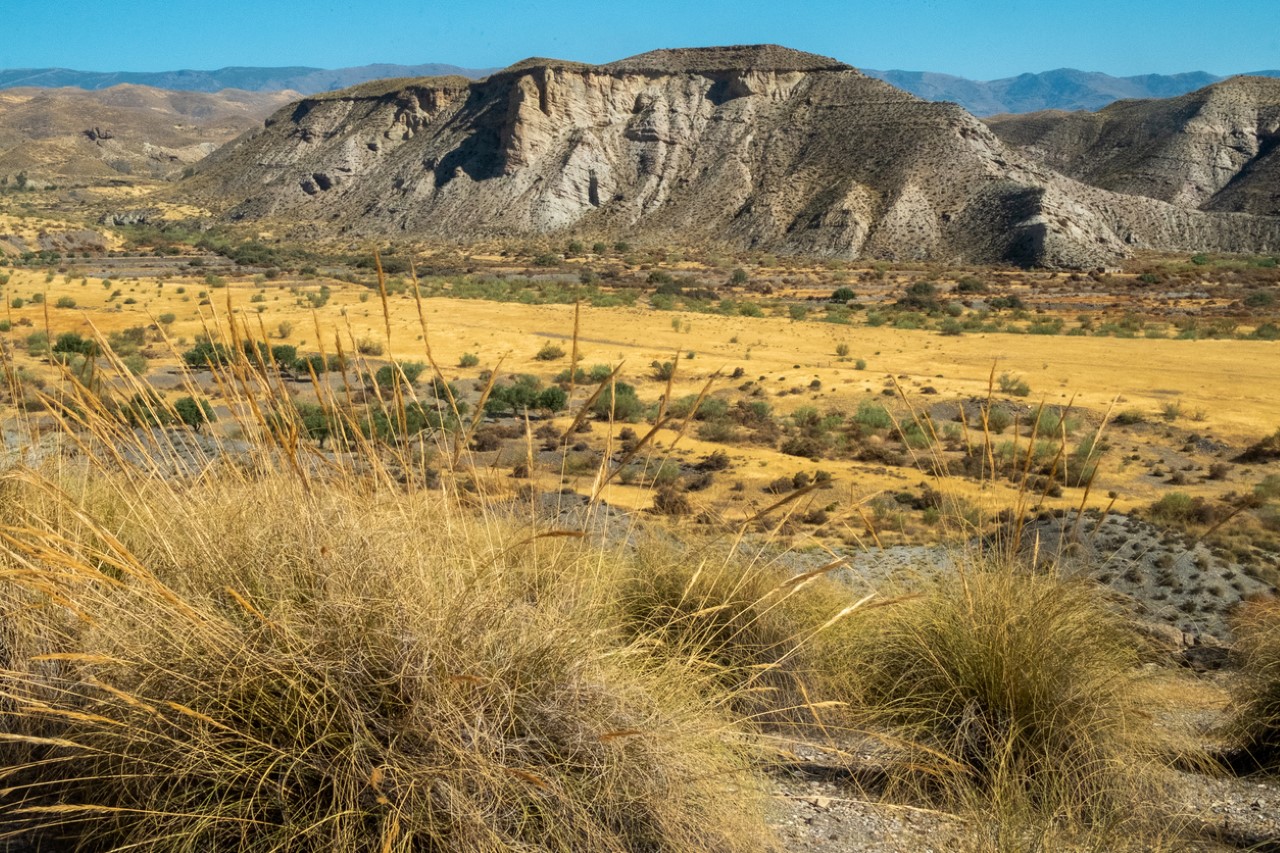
x=1195, y=401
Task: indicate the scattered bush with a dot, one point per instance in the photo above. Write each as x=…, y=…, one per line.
x=549, y=352
x=1013, y=385
x=872, y=415
x=663, y=370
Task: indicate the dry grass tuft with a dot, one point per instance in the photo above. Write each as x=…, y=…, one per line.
x=1256, y=724
x=1014, y=691
x=264, y=666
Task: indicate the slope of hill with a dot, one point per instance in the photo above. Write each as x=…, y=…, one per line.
x=1062, y=89
x=751, y=146
x=1214, y=149
x=58, y=135
x=298, y=79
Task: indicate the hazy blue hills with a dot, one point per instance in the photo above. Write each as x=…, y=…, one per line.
x=1063, y=89
x=301, y=79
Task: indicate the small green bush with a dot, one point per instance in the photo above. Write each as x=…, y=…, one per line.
x=872, y=415
x=549, y=352
x=1013, y=385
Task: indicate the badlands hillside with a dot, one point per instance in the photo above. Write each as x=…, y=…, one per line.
x=122, y=133
x=751, y=147
x=1214, y=149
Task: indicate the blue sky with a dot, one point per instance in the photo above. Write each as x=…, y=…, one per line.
x=980, y=39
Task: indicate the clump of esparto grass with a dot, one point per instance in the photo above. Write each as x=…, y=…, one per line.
x=1011, y=690
x=266, y=666
x=1255, y=726
x=778, y=641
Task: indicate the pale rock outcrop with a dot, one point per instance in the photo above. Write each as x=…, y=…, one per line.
x=755, y=147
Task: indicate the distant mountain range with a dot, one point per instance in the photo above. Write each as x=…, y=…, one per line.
x=1063, y=89
x=306, y=81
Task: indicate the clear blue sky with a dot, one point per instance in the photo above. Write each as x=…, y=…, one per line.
x=979, y=39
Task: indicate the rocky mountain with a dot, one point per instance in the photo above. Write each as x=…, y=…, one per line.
x=1062, y=89
x=60, y=135
x=299, y=79
x=1214, y=149
x=747, y=146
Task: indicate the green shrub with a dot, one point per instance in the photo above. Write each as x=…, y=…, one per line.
x=74, y=342
x=38, y=343
x=917, y=435
x=549, y=352
x=1050, y=422
x=619, y=402
x=388, y=375
x=552, y=399
x=468, y=359
x=1178, y=509
x=1013, y=385
x=206, y=354
x=368, y=346
x=872, y=415
x=194, y=413
x=998, y=419
x=662, y=370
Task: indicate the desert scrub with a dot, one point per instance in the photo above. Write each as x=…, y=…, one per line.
x=1013, y=385
x=549, y=352
x=266, y=666
x=1012, y=689
x=778, y=642
x=1255, y=726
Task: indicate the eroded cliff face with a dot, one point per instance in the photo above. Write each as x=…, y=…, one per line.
x=1213, y=149
x=753, y=147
